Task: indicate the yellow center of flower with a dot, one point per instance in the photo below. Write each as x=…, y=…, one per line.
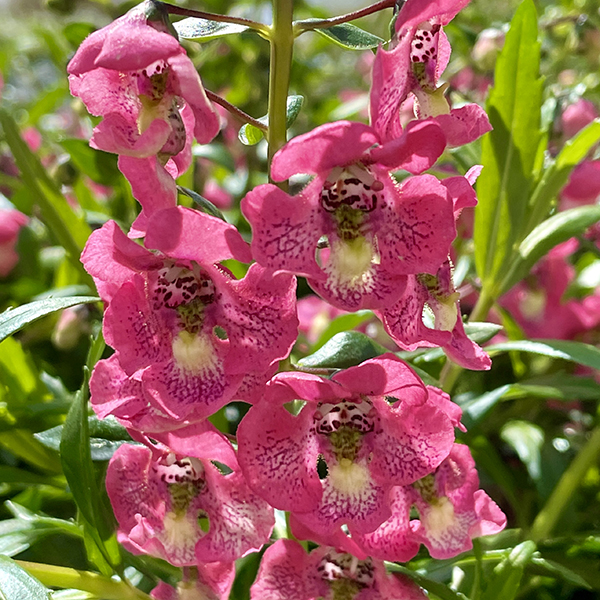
x=350, y=261
x=194, y=353
x=439, y=517
x=348, y=477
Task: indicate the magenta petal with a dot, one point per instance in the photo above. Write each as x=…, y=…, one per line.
x=278, y=456
x=286, y=229
x=415, y=12
x=385, y=375
x=420, y=228
x=414, y=441
x=85, y=57
x=188, y=234
x=288, y=386
x=491, y=519
x=331, y=145
x=283, y=574
x=422, y=143
x=461, y=191
x=132, y=48
x=112, y=259
x=464, y=125
x=392, y=540
x=239, y=521
x=189, y=86
x=465, y=351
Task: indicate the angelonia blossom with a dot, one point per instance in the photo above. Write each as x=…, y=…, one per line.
x=419, y=55
x=188, y=336
x=11, y=222
x=138, y=78
x=364, y=460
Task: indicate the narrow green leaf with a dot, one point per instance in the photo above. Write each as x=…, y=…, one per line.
x=14, y=319
x=545, y=236
x=97, y=165
x=292, y=110
x=475, y=409
x=526, y=439
x=547, y=568
x=435, y=587
x=342, y=323
x=343, y=350
x=204, y=30
x=69, y=228
x=583, y=354
x=348, y=36
x=202, y=204
x=250, y=135
x=509, y=151
x=505, y=581
x=17, y=584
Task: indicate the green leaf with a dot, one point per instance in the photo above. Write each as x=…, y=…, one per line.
x=204, y=30
x=343, y=350
x=527, y=440
x=578, y=352
x=557, y=173
x=545, y=236
x=506, y=578
x=17, y=584
x=106, y=436
x=203, y=205
x=509, y=151
x=14, y=319
x=434, y=587
x=97, y=165
x=250, y=135
x=69, y=228
x=343, y=323
x=348, y=36
x=474, y=409
x=547, y=568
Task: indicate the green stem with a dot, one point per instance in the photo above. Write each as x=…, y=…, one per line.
x=303, y=26
x=234, y=110
x=189, y=12
x=282, y=42
x=565, y=488
x=66, y=578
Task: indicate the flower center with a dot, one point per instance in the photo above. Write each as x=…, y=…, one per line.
x=424, y=54
x=350, y=193
x=345, y=574
x=345, y=424
x=442, y=302
x=184, y=479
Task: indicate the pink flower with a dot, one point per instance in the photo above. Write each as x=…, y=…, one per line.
x=452, y=511
x=366, y=444
x=11, y=221
x=576, y=116
x=583, y=186
x=414, y=66
x=404, y=320
x=150, y=96
x=370, y=231
x=180, y=507
x=288, y=573
x=188, y=336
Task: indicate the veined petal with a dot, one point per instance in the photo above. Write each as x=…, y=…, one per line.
x=464, y=125
x=331, y=145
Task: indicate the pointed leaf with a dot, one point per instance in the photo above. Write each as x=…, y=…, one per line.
x=17, y=584
x=583, y=354
x=343, y=350
x=14, y=319
x=526, y=439
x=250, y=135
x=204, y=30
x=203, y=205
x=435, y=587
x=347, y=35
x=509, y=151
x=547, y=235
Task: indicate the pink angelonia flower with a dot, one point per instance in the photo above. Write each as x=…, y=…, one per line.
x=334, y=462
x=214, y=582
x=576, y=116
x=405, y=323
x=583, y=186
x=367, y=231
x=188, y=336
x=414, y=65
x=11, y=221
x=452, y=511
x=139, y=79
x=287, y=573
x=180, y=507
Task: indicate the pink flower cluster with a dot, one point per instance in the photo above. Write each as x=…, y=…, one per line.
x=348, y=457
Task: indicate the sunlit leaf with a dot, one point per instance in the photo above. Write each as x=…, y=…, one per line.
x=17, y=584
x=506, y=578
x=204, y=30
x=348, y=36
